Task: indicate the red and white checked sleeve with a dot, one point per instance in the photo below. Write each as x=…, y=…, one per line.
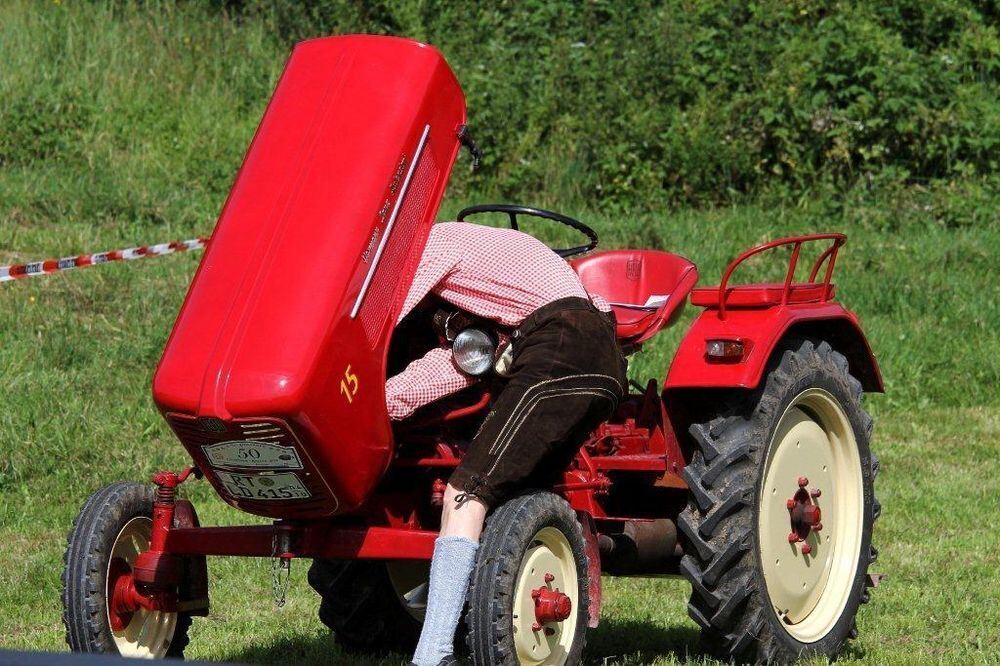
x=429, y=378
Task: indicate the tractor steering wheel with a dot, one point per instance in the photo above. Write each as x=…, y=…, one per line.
x=513, y=211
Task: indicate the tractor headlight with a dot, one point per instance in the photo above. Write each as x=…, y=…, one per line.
x=473, y=351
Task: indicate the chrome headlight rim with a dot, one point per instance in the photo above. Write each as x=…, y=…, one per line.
x=473, y=350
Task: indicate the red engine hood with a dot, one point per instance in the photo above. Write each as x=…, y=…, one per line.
x=290, y=313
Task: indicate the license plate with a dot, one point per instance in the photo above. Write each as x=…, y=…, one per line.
x=252, y=454
x=283, y=486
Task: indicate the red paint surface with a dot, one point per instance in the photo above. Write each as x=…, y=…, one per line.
x=311, y=540
x=761, y=330
x=265, y=330
x=594, y=591
x=759, y=315
x=631, y=277
x=829, y=256
x=551, y=605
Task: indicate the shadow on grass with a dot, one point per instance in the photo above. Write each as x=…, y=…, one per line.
x=614, y=642
x=305, y=649
x=852, y=651
x=640, y=642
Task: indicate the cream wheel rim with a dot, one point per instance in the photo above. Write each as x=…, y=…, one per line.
x=814, y=442
x=547, y=563
x=149, y=633
x=410, y=580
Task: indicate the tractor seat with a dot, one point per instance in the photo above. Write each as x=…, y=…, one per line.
x=762, y=295
x=646, y=288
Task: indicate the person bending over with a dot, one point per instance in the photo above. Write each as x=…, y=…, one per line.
x=567, y=375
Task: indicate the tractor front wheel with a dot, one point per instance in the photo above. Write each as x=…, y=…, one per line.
x=113, y=527
x=528, y=601
x=777, y=531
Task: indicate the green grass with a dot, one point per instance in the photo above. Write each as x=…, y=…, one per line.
x=79, y=349
x=131, y=125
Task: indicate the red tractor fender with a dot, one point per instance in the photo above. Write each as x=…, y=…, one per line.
x=761, y=331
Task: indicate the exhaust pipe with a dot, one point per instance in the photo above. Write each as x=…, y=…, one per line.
x=641, y=547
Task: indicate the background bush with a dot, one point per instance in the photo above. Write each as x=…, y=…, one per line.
x=701, y=101
x=595, y=104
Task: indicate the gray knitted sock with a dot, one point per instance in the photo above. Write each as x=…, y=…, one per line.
x=451, y=568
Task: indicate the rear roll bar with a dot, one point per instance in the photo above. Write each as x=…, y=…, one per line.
x=829, y=256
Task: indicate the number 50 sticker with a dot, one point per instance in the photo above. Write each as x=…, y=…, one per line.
x=349, y=384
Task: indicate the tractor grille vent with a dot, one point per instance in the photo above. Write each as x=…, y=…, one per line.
x=264, y=431
x=386, y=286
x=196, y=434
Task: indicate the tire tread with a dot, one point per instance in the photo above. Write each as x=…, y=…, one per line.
x=507, y=533
x=716, y=528
x=83, y=587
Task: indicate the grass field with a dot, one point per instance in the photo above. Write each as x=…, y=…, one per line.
x=130, y=134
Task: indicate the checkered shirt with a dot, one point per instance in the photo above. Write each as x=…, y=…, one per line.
x=498, y=274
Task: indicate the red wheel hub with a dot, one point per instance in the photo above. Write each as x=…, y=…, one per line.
x=123, y=599
x=805, y=515
x=550, y=606
x=120, y=596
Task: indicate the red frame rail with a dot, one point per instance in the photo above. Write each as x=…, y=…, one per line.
x=829, y=256
x=309, y=540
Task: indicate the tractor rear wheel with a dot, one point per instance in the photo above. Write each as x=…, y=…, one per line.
x=371, y=606
x=777, y=530
x=113, y=527
x=528, y=602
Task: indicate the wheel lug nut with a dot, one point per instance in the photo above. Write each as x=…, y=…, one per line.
x=793, y=537
x=790, y=504
x=803, y=482
x=806, y=549
x=815, y=492
x=549, y=578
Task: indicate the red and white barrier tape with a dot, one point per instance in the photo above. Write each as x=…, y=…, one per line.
x=18, y=271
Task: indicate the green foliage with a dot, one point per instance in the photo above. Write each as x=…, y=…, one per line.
x=695, y=102
x=667, y=103
x=116, y=113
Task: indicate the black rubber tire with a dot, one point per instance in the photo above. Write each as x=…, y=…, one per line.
x=506, y=537
x=85, y=568
x=718, y=528
x=361, y=607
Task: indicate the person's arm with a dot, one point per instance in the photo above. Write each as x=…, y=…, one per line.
x=429, y=378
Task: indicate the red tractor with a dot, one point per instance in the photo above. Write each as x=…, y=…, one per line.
x=748, y=471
